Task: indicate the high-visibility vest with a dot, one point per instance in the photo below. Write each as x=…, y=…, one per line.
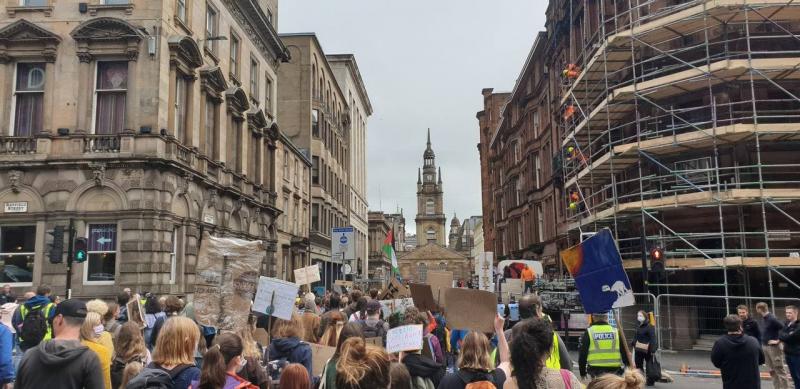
x=554, y=360
x=23, y=311
x=603, y=346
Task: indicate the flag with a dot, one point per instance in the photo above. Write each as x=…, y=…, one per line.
x=388, y=249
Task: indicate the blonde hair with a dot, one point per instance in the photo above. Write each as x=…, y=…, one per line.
x=176, y=342
x=98, y=306
x=130, y=343
x=93, y=319
x=132, y=369
x=632, y=379
x=288, y=328
x=248, y=343
x=362, y=365
x=311, y=323
x=476, y=353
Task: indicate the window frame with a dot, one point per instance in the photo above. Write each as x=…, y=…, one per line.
x=181, y=110
x=211, y=45
x=3, y=254
x=14, y=92
x=89, y=253
x=173, y=256
x=267, y=93
x=254, y=82
x=22, y=3
x=235, y=56
x=96, y=91
x=185, y=18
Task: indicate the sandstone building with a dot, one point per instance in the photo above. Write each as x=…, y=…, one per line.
x=145, y=123
x=294, y=195
x=430, y=201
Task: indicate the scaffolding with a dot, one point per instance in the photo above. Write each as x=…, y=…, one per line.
x=680, y=128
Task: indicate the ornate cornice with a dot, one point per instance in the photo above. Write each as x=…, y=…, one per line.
x=251, y=18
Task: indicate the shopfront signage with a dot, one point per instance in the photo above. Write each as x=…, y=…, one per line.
x=15, y=207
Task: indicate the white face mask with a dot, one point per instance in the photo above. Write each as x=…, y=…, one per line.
x=640, y=317
x=242, y=364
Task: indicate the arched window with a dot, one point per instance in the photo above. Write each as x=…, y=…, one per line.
x=429, y=207
x=422, y=272
x=442, y=265
x=431, y=234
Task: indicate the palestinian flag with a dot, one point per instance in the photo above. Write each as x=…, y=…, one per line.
x=388, y=249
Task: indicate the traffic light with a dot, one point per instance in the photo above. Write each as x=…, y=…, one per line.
x=80, y=250
x=657, y=259
x=57, y=247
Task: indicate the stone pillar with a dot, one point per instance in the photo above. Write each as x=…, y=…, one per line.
x=132, y=104
x=202, y=136
x=6, y=67
x=172, y=97
x=84, y=78
x=189, y=137
x=48, y=105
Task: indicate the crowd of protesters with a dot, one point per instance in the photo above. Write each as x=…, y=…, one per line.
x=94, y=344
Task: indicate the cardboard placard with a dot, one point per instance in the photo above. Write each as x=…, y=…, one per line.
x=423, y=297
x=346, y=284
x=377, y=341
x=404, y=338
x=440, y=281
x=136, y=311
x=397, y=305
x=471, y=309
x=261, y=336
x=275, y=297
x=319, y=356
x=395, y=290
x=306, y=275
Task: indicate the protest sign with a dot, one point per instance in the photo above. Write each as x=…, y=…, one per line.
x=225, y=284
x=440, y=281
x=484, y=269
x=596, y=266
x=346, y=284
x=377, y=341
x=260, y=335
x=404, y=338
x=306, y=275
x=423, y=297
x=395, y=290
x=319, y=356
x=471, y=309
x=396, y=305
x=275, y=297
x=135, y=311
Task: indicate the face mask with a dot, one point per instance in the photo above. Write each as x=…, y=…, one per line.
x=640, y=318
x=99, y=329
x=242, y=364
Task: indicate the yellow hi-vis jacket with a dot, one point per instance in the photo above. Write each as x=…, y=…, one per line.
x=603, y=346
x=554, y=360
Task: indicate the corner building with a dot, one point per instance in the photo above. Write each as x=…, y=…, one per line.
x=144, y=122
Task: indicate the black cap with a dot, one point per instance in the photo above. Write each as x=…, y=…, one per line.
x=71, y=308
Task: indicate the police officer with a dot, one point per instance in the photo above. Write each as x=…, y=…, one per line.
x=601, y=351
x=530, y=307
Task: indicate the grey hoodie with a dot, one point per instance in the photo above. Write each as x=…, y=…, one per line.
x=63, y=364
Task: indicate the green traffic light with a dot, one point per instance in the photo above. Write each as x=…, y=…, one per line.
x=80, y=256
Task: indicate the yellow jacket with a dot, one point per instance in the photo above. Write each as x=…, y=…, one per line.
x=104, y=355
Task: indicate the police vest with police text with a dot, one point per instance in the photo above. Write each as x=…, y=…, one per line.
x=603, y=346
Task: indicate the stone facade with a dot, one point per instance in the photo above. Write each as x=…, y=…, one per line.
x=430, y=201
x=345, y=69
x=316, y=114
x=397, y=223
x=380, y=267
x=131, y=122
x=294, y=198
x=488, y=120
x=415, y=264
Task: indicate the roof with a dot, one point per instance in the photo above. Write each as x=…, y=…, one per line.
x=350, y=61
x=312, y=37
x=431, y=251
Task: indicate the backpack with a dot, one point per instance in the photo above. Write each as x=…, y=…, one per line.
x=34, y=325
x=482, y=381
x=154, y=377
x=421, y=383
x=275, y=368
x=379, y=331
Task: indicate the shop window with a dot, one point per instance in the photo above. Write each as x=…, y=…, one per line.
x=17, y=248
x=102, y=263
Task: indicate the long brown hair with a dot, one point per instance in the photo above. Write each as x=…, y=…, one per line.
x=476, y=353
x=362, y=366
x=330, y=336
x=294, y=376
x=311, y=322
x=215, y=361
x=130, y=343
x=176, y=342
x=288, y=328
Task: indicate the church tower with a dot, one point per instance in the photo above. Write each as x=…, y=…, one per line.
x=430, y=205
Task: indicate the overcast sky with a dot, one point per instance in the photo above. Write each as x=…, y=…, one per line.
x=424, y=63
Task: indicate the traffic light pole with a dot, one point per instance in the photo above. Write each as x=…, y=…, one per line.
x=69, y=258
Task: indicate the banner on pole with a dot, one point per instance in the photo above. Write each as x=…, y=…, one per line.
x=306, y=275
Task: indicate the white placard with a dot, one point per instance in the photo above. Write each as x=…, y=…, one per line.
x=484, y=268
x=16, y=207
x=405, y=338
x=306, y=275
x=343, y=246
x=283, y=301
x=397, y=305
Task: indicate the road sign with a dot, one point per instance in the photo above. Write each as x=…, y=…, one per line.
x=343, y=246
x=346, y=269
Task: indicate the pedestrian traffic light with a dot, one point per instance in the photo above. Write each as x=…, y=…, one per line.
x=57, y=247
x=80, y=250
x=657, y=259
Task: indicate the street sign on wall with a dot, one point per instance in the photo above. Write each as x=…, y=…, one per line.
x=343, y=246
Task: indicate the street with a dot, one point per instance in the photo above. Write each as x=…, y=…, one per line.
x=694, y=383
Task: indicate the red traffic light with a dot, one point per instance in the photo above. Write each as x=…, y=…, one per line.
x=657, y=259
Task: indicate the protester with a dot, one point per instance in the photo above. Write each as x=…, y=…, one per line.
x=373, y=294
x=331, y=313
x=749, y=326
x=110, y=322
x=400, y=378
x=424, y=370
x=103, y=337
x=130, y=349
x=631, y=379
x=62, y=362
x=311, y=320
x=332, y=326
x=350, y=330
x=600, y=352
x=362, y=366
x=430, y=342
x=6, y=356
x=174, y=351
x=770, y=344
x=7, y=295
x=476, y=364
x=91, y=334
x=530, y=306
x=152, y=312
x=252, y=353
x=172, y=307
x=790, y=337
x=644, y=345
x=360, y=310
x=533, y=340
x=221, y=363
x=33, y=319
x=351, y=304
x=123, y=298
x=528, y=277
x=737, y=356
x=294, y=376
x=286, y=343
x=372, y=326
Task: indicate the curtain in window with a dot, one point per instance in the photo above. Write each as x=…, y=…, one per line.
x=112, y=85
x=29, y=99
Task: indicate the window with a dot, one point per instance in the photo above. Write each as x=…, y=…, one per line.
x=422, y=272
x=180, y=108
x=285, y=165
x=538, y=170
x=33, y=3
x=268, y=93
x=536, y=123
x=295, y=218
x=102, y=263
x=315, y=217
x=297, y=173
x=211, y=29
x=315, y=170
x=269, y=16
x=115, y=2
x=516, y=151
x=210, y=127
x=315, y=123
x=235, y=55
x=173, y=256
x=253, y=79
x=443, y=266
x=286, y=206
x=110, y=92
x=429, y=207
x=29, y=99
x=431, y=234
x=180, y=10
x=540, y=223
x=17, y=249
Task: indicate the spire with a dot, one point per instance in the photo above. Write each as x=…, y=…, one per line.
x=429, y=150
x=429, y=137
x=440, y=174
x=419, y=176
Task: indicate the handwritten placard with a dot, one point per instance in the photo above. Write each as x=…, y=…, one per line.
x=397, y=305
x=319, y=357
x=306, y=275
x=282, y=304
x=405, y=338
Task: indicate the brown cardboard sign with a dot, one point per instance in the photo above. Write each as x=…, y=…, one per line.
x=423, y=297
x=319, y=356
x=471, y=309
x=377, y=341
x=395, y=290
x=440, y=281
x=136, y=311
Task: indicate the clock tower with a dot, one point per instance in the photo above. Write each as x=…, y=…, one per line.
x=430, y=206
